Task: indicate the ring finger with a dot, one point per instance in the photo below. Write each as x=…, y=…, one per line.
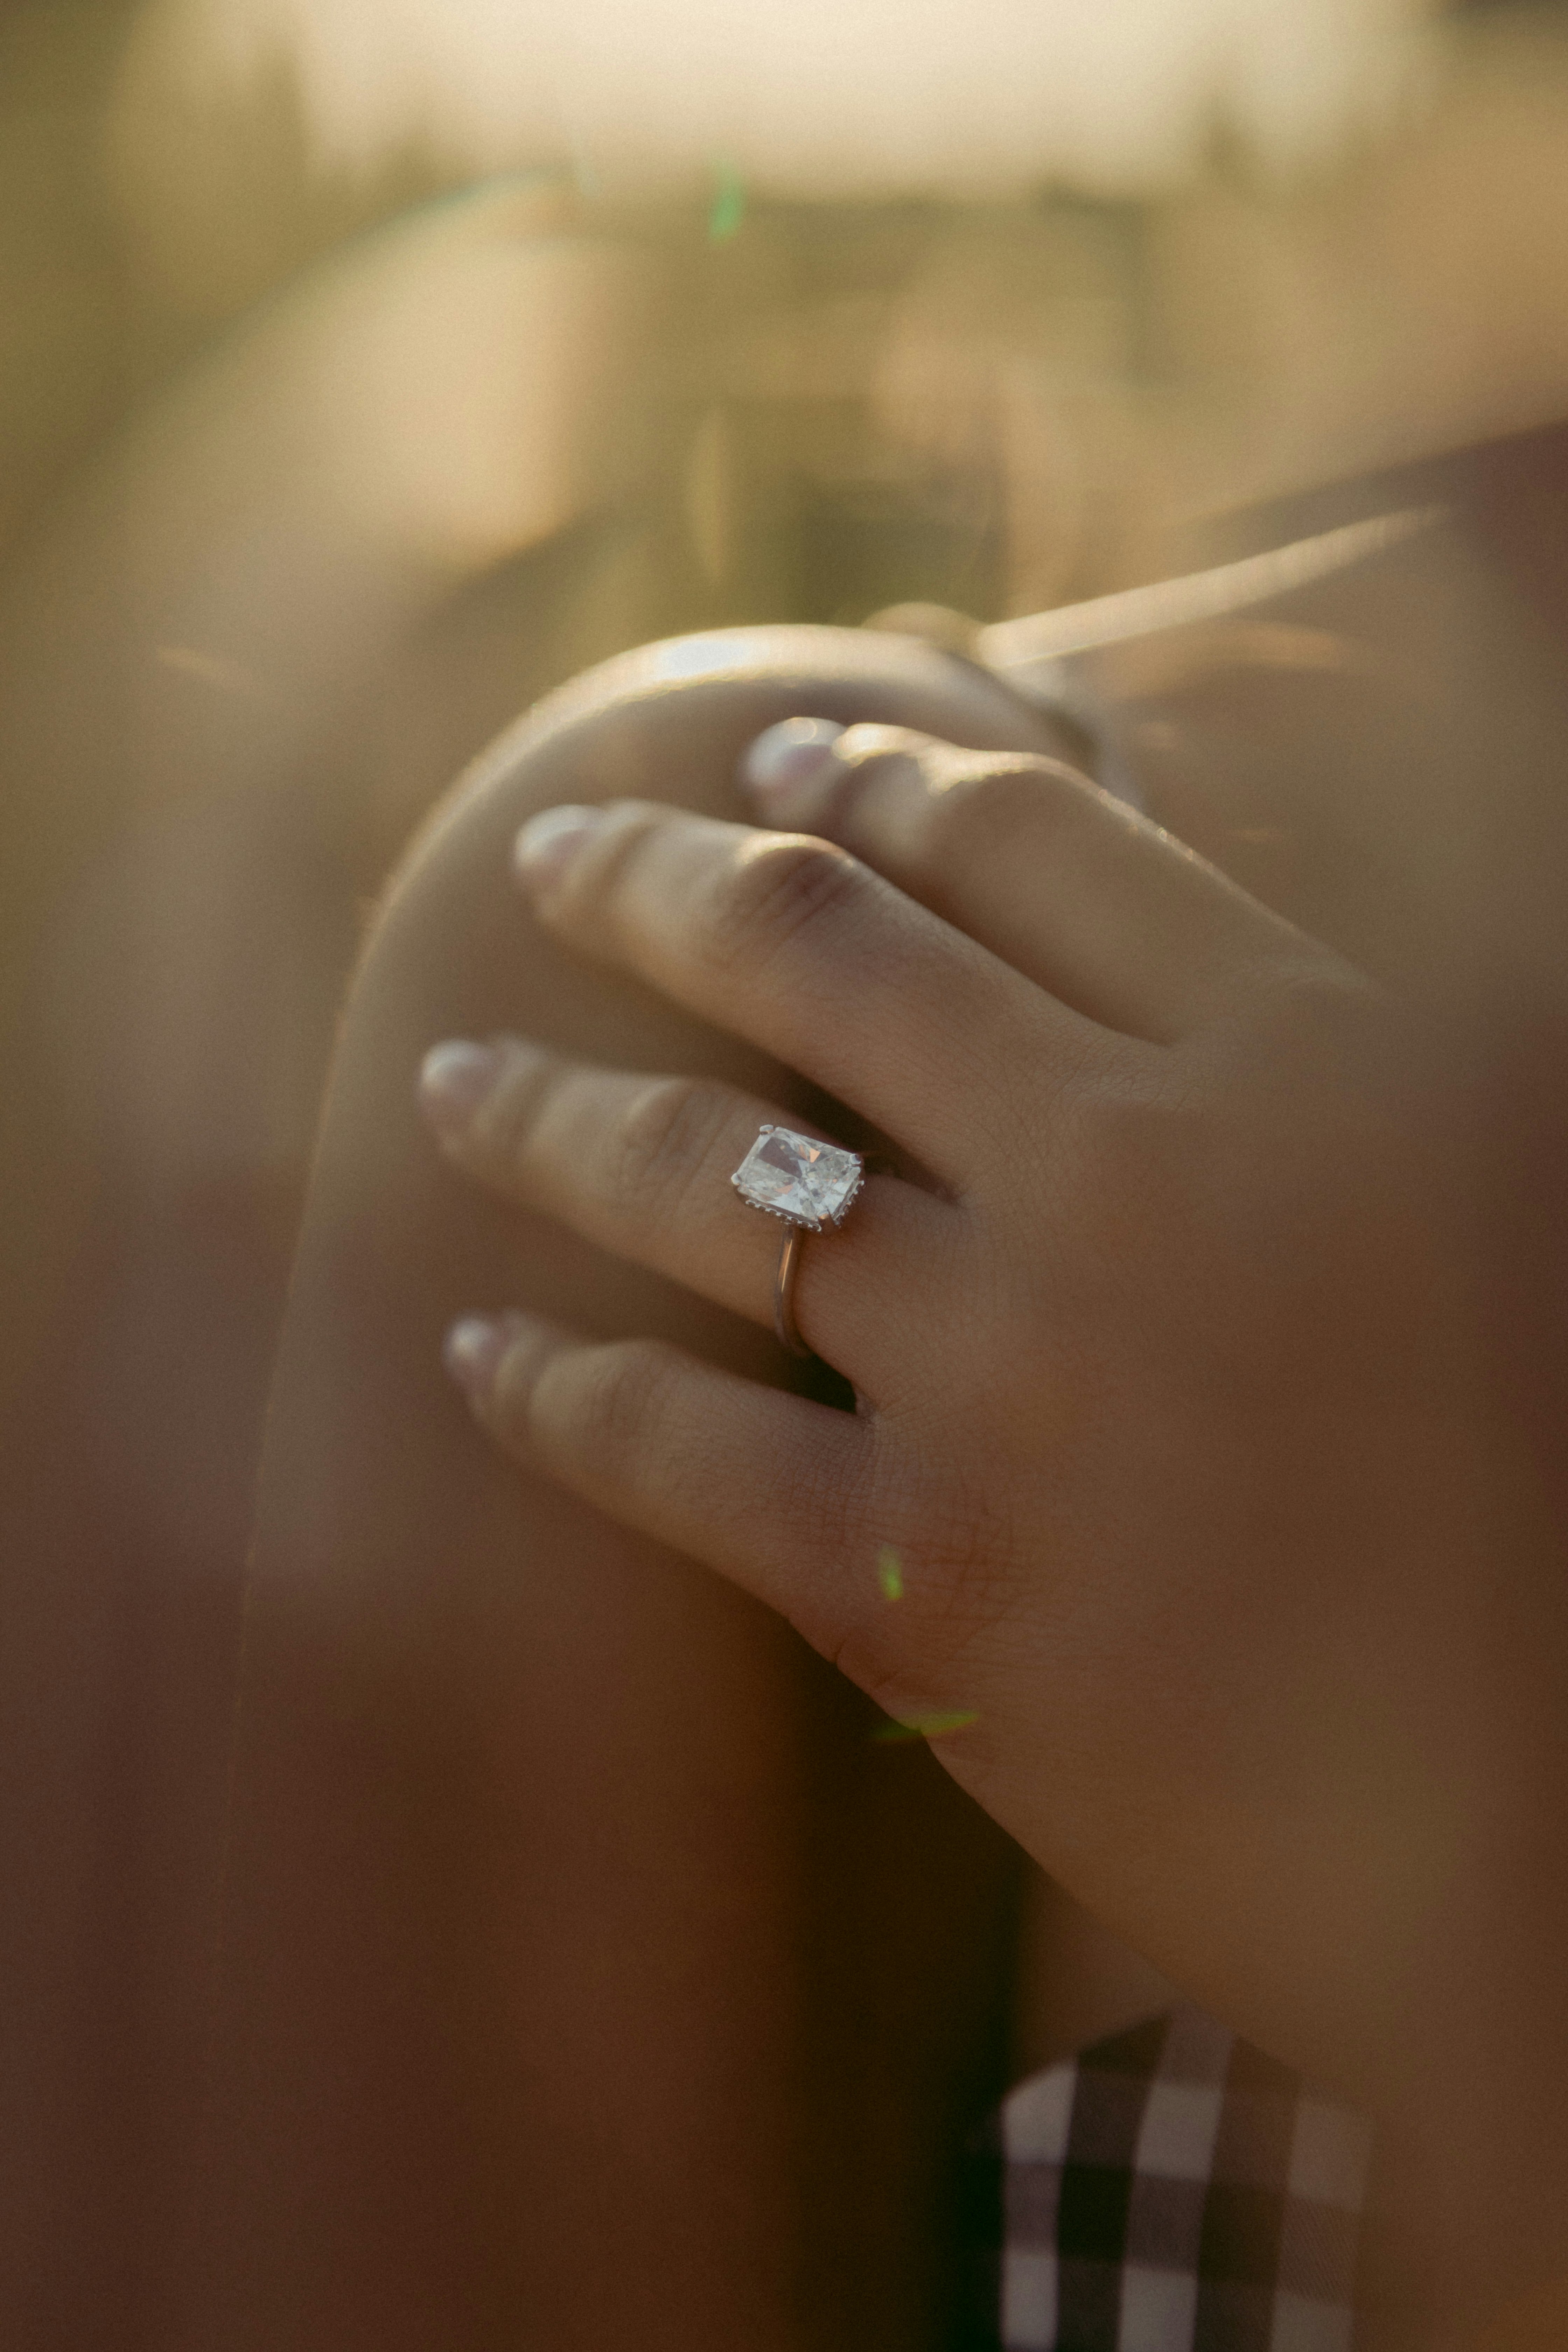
x=641, y=1166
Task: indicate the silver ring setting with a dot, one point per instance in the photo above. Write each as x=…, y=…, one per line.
x=810, y=1186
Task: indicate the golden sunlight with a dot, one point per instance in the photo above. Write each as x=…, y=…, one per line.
x=818, y=99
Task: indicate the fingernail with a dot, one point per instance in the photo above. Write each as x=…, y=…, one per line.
x=474, y=1349
x=788, y=764
x=455, y=1079
x=550, y=841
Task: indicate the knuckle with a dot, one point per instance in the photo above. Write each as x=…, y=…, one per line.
x=609, y=1400
x=663, y=1140
x=517, y=1108
x=776, y=891
x=869, y=739
x=987, y=809
x=601, y=886
x=869, y=751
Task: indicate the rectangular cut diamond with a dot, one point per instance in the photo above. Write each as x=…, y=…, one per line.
x=794, y=1176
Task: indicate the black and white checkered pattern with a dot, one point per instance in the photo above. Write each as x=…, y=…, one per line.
x=1173, y=2190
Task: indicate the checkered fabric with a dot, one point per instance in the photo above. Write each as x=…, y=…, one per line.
x=1173, y=2190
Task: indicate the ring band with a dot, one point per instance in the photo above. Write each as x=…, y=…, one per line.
x=811, y=1186
x=784, y=1293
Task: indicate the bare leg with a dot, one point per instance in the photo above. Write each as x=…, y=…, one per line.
x=579, y=1984
x=585, y=1978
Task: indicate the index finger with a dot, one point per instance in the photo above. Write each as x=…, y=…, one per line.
x=795, y=944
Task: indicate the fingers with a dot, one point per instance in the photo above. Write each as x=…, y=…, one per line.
x=642, y=1165
x=794, y=945
x=769, y=1488
x=1051, y=874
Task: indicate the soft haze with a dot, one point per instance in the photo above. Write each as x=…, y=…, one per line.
x=819, y=98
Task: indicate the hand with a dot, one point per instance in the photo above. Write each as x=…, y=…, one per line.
x=1178, y=1398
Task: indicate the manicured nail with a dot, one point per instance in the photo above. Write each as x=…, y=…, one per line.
x=455, y=1079
x=788, y=764
x=550, y=841
x=474, y=1349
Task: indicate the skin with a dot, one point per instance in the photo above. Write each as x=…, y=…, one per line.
x=242, y=650
x=209, y=663
x=645, y=2000
x=1174, y=1347
x=655, y=2003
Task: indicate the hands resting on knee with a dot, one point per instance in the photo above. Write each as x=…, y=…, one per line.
x=1180, y=1315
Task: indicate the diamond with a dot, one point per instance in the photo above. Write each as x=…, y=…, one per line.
x=797, y=1178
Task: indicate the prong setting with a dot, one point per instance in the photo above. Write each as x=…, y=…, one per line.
x=799, y=1178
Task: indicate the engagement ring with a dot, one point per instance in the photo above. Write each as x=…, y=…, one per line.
x=811, y=1186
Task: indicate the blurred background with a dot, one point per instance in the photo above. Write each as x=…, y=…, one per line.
x=365, y=371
